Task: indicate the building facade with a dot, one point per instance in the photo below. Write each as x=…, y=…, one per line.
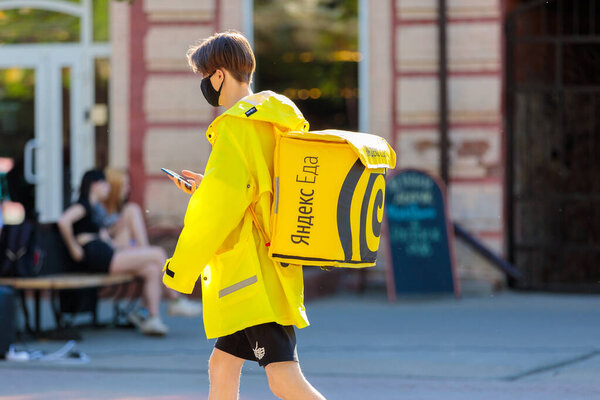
x=157, y=116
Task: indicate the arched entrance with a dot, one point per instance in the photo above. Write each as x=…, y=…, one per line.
x=48, y=78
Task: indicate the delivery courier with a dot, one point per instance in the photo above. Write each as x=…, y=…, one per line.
x=273, y=197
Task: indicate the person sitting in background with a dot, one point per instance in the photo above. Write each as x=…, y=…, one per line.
x=90, y=245
x=123, y=219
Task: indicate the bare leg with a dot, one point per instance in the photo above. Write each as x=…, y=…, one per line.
x=171, y=294
x=147, y=263
x=130, y=225
x=121, y=237
x=135, y=221
x=286, y=381
x=224, y=372
x=152, y=290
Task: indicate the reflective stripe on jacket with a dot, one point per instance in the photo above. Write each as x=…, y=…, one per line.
x=241, y=285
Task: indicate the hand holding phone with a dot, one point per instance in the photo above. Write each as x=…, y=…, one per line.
x=178, y=177
x=187, y=183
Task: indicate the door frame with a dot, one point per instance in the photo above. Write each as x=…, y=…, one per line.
x=48, y=61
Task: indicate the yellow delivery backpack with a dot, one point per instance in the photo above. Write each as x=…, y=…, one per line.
x=328, y=202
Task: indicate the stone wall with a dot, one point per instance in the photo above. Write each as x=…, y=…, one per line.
x=474, y=38
x=118, y=139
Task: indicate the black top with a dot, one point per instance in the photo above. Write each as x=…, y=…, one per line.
x=91, y=221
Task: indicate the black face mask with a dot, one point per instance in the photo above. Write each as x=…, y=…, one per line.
x=210, y=94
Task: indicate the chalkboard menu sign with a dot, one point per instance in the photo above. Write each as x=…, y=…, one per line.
x=419, y=234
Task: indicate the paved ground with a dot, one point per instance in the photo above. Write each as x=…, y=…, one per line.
x=507, y=346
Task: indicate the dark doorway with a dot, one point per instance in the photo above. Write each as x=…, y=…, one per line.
x=308, y=51
x=553, y=143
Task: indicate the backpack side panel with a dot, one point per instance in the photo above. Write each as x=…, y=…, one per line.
x=328, y=205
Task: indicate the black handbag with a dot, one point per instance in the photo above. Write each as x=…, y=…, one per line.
x=20, y=255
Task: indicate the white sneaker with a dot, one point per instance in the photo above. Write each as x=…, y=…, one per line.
x=183, y=307
x=137, y=317
x=153, y=326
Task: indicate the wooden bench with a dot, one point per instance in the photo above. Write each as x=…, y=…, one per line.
x=57, y=275
x=64, y=281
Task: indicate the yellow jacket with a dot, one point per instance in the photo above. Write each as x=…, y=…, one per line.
x=241, y=285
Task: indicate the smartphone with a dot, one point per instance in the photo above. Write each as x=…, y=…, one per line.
x=177, y=176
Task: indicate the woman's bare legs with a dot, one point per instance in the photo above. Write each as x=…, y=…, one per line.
x=130, y=225
x=147, y=263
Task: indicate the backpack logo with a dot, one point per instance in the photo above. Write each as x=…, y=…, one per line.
x=259, y=353
x=371, y=212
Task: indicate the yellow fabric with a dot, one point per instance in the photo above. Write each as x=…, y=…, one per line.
x=330, y=188
x=373, y=151
x=241, y=285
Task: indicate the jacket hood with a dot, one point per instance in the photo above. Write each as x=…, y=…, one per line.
x=266, y=106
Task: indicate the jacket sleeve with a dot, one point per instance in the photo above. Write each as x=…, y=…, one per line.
x=215, y=209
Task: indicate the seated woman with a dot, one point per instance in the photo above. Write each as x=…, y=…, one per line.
x=123, y=219
x=90, y=244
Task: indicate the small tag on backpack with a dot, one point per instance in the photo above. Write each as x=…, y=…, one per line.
x=251, y=111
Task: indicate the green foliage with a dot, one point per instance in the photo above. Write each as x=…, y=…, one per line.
x=101, y=24
x=17, y=83
x=27, y=25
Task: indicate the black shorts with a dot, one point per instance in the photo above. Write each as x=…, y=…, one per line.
x=265, y=343
x=97, y=256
